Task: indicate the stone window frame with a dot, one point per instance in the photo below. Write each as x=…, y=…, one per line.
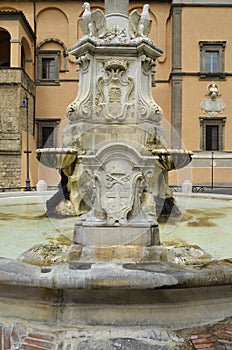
x=218, y=46
x=55, y=54
x=217, y=121
x=40, y=123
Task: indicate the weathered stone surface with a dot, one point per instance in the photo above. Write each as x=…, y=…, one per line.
x=120, y=343
x=112, y=236
x=10, y=168
x=143, y=275
x=116, y=314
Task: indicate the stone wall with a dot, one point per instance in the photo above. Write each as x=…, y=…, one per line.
x=10, y=170
x=45, y=319
x=14, y=83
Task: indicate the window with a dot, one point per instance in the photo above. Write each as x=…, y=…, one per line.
x=48, y=67
x=212, y=138
x=212, y=59
x=47, y=136
x=212, y=133
x=47, y=133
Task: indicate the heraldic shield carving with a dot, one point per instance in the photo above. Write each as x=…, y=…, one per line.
x=114, y=98
x=119, y=186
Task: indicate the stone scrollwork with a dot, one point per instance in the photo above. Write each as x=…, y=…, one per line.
x=114, y=96
x=83, y=62
x=82, y=106
x=80, y=109
x=155, y=112
x=147, y=63
x=149, y=110
x=71, y=111
x=86, y=106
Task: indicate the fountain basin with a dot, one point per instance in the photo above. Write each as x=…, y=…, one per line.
x=206, y=223
x=171, y=159
x=58, y=158
x=86, y=304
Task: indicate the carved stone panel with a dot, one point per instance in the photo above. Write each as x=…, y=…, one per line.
x=81, y=108
x=118, y=183
x=114, y=98
x=213, y=104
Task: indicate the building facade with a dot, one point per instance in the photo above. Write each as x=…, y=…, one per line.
x=192, y=82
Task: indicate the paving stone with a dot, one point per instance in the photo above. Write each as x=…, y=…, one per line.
x=7, y=340
x=214, y=337
x=39, y=341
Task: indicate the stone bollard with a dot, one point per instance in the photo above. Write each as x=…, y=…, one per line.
x=41, y=186
x=187, y=186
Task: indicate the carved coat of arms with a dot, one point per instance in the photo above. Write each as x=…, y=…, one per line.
x=114, y=97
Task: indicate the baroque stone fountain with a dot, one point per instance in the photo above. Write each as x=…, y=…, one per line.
x=116, y=287
x=114, y=160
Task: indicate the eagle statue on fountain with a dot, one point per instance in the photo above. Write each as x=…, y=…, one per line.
x=92, y=23
x=140, y=23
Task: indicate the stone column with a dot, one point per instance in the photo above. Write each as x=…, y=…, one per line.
x=117, y=14
x=116, y=6
x=15, y=53
x=176, y=116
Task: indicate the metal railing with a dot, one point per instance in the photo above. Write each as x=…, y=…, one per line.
x=24, y=189
x=204, y=188
x=18, y=189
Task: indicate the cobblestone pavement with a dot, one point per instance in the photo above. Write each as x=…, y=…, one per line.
x=213, y=337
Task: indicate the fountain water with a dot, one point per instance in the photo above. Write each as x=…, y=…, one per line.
x=114, y=157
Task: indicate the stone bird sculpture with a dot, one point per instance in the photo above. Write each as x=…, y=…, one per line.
x=92, y=23
x=140, y=23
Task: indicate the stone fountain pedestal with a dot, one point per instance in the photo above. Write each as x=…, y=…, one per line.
x=114, y=161
x=116, y=287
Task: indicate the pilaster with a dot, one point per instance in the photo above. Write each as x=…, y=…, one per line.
x=15, y=56
x=176, y=81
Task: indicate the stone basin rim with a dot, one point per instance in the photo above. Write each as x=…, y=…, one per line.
x=16, y=273
x=57, y=150
x=170, y=151
x=58, y=158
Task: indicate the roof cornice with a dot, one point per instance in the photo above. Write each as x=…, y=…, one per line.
x=18, y=16
x=208, y=3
